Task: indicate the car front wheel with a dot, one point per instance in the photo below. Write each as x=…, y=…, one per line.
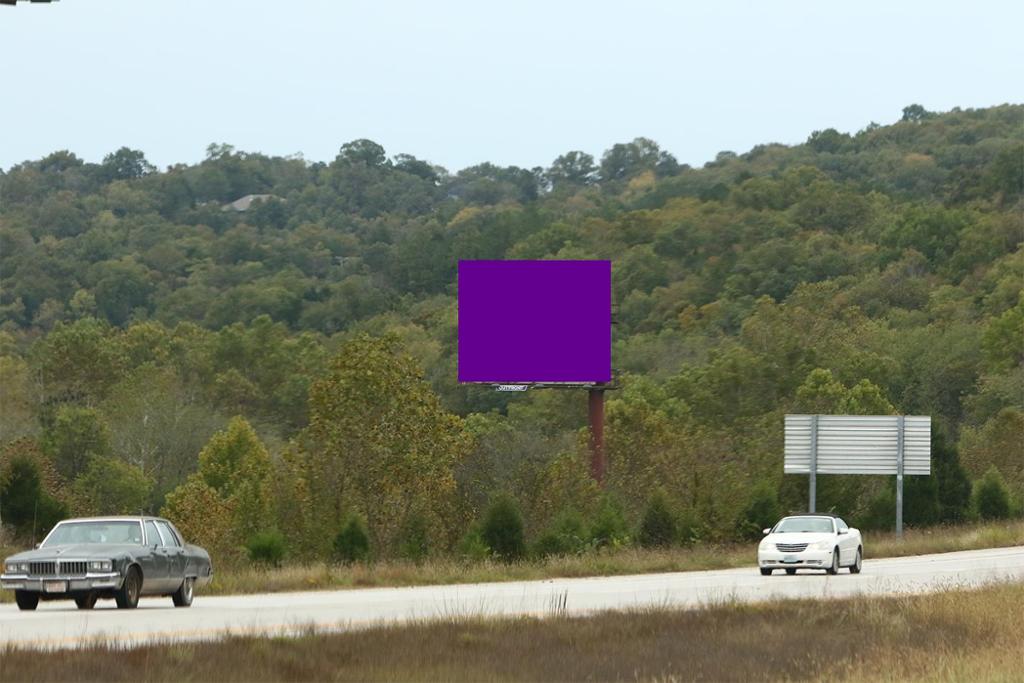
x=834, y=568
x=183, y=596
x=857, y=562
x=26, y=600
x=86, y=601
x=128, y=596
x=766, y=571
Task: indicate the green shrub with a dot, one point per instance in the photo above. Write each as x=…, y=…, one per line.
x=23, y=501
x=567, y=535
x=762, y=512
x=991, y=497
x=881, y=511
x=472, y=547
x=267, y=547
x=610, y=527
x=689, y=528
x=414, y=538
x=502, y=529
x=658, y=525
x=352, y=544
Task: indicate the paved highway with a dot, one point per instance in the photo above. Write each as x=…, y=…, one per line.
x=60, y=624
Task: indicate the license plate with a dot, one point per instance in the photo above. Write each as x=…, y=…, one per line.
x=789, y=559
x=55, y=586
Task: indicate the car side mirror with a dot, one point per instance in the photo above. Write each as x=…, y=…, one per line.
x=766, y=531
x=843, y=532
x=36, y=546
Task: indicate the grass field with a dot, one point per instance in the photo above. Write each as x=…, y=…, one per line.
x=320, y=576
x=620, y=561
x=949, y=636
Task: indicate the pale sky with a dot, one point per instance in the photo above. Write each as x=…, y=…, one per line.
x=462, y=82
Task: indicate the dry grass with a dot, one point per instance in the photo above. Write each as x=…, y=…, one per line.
x=949, y=636
x=621, y=561
x=323, y=576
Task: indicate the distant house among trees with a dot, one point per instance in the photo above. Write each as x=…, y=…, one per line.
x=244, y=203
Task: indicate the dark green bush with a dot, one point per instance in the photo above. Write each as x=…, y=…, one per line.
x=267, y=547
x=352, y=544
x=414, y=538
x=689, y=528
x=610, y=527
x=567, y=535
x=761, y=512
x=472, y=547
x=23, y=502
x=502, y=529
x=991, y=497
x=881, y=511
x=658, y=525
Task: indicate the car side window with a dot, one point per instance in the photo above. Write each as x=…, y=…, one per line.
x=170, y=538
x=841, y=525
x=152, y=534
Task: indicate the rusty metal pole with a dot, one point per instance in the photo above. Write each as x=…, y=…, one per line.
x=596, y=411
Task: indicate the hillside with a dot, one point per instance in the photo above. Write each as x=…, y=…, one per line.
x=874, y=272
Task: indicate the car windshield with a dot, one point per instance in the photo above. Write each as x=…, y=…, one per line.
x=811, y=525
x=66, y=533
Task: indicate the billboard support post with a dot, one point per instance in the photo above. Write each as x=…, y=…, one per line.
x=596, y=413
x=900, y=446
x=812, y=476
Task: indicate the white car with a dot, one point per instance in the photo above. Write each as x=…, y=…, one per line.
x=811, y=541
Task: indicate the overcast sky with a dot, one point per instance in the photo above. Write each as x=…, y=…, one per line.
x=458, y=83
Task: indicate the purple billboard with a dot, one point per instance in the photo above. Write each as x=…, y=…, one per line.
x=523, y=322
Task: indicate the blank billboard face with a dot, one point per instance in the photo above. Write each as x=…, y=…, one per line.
x=535, y=321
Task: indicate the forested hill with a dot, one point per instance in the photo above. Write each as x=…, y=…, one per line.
x=880, y=271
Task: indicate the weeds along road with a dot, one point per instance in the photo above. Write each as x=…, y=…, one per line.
x=61, y=625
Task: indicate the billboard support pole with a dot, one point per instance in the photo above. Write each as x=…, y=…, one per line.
x=812, y=477
x=596, y=412
x=900, y=445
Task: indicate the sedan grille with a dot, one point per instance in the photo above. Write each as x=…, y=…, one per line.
x=74, y=568
x=42, y=568
x=791, y=547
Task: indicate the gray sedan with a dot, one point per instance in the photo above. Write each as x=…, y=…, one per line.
x=121, y=558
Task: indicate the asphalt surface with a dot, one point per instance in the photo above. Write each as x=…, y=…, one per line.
x=61, y=625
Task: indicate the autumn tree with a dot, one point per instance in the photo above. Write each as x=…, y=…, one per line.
x=379, y=442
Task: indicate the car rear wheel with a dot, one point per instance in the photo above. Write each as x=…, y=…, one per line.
x=183, y=596
x=86, y=601
x=766, y=571
x=857, y=562
x=834, y=567
x=26, y=600
x=128, y=596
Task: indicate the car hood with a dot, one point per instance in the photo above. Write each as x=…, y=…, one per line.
x=799, y=537
x=79, y=551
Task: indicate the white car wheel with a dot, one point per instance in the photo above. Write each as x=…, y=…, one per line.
x=834, y=567
x=857, y=562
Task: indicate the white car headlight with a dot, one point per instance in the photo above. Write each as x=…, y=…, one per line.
x=823, y=545
x=100, y=565
x=16, y=567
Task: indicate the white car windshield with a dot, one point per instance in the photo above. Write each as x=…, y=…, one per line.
x=809, y=525
x=67, y=533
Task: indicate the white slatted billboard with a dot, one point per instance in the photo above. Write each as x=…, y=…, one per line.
x=858, y=444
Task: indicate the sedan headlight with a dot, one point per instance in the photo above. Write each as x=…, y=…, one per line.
x=823, y=545
x=100, y=565
x=15, y=567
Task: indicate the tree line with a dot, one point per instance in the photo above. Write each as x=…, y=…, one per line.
x=290, y=369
